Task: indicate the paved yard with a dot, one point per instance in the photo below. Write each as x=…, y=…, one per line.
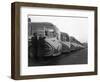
x=75, y=57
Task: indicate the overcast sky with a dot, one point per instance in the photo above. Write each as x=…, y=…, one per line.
x=74, y=26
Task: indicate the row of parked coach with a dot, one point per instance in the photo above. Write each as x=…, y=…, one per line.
x=45, y=39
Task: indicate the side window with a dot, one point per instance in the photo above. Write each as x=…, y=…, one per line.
x=67, y=37
x=62, y=37
x=46, y=33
